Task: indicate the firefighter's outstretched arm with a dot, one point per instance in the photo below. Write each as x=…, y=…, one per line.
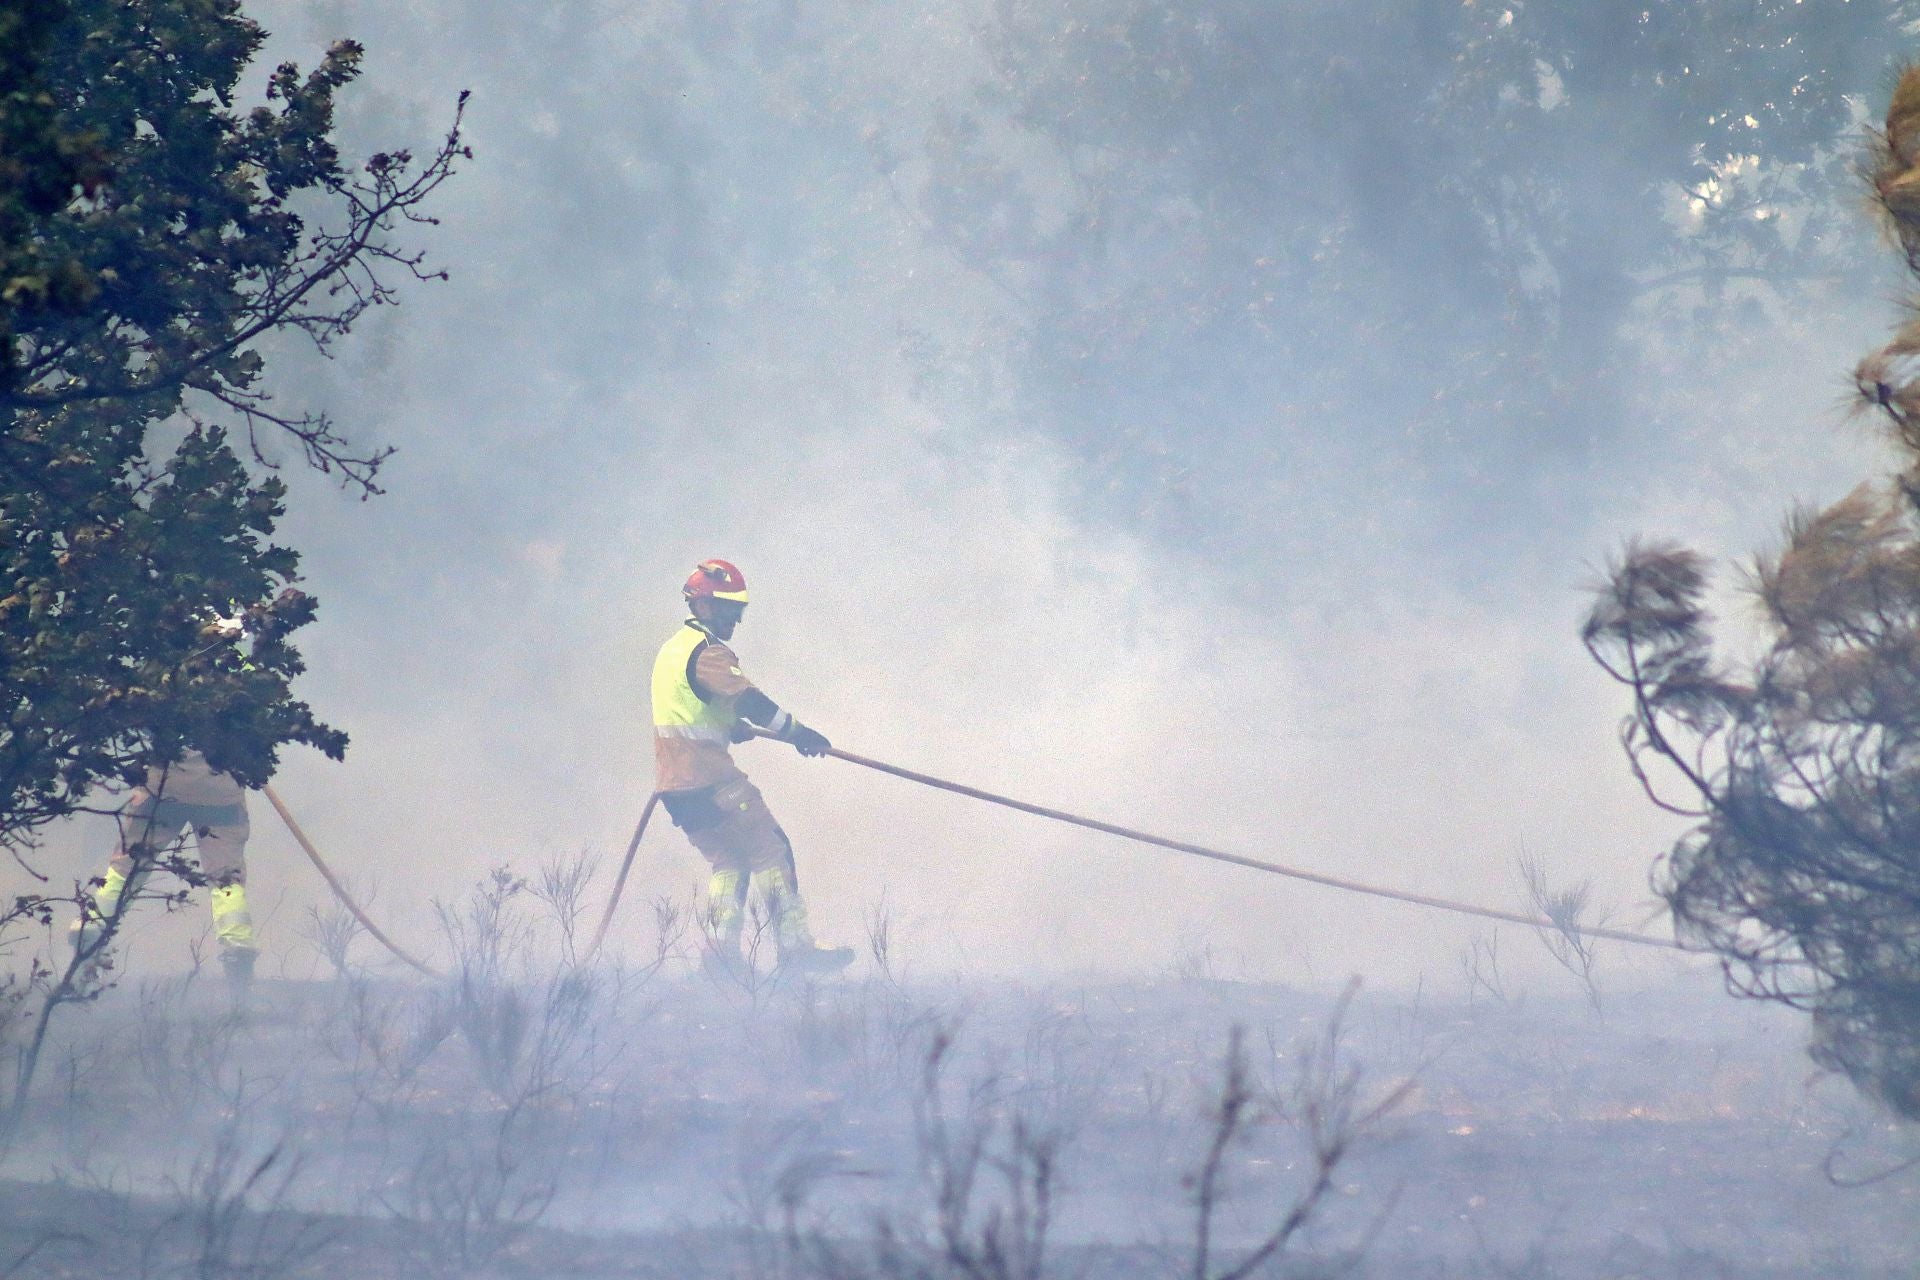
x=756, y=707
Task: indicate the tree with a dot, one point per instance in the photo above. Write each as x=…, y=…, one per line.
x=42, y=161
x=155, y=233
x=1801, y=769
x=1448, y=229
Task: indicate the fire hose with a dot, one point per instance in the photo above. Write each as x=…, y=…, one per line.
x=1178, y=846
x=620, y=881
x=1057, y=815
x=340, y=890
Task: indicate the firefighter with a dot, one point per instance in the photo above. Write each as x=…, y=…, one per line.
x=188, y=796
x=185, y=797
x=701, y=704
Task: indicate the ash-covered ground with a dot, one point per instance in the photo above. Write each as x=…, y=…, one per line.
x=531, y=1115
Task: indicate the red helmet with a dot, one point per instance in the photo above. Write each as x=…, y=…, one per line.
x=718, y=579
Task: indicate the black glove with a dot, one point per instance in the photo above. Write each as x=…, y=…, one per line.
x=741, y=732
x=808, y=742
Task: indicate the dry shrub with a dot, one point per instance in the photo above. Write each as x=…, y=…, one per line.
x=1801, y=767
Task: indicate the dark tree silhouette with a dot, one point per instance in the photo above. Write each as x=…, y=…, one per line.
x=153, y=231
x=152, y=234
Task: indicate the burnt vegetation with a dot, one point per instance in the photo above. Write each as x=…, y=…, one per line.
x=881, y=1128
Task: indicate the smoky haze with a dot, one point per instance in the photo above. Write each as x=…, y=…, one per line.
x=1142, y=413
x=1208, y=418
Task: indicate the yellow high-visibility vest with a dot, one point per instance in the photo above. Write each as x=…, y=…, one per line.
x=679, y=712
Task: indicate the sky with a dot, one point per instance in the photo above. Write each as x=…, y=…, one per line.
x=689, y=315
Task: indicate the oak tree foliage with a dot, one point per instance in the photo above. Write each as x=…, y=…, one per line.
x=43, y=159
x=156, y=230
x=1801, y=768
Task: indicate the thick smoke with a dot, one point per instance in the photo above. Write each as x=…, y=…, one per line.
x=804, y=289
x=1204, y=417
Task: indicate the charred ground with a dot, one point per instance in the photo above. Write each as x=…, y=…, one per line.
x=535, y=1117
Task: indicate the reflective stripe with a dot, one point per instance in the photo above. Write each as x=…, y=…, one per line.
x=695, y=732
x=782, y=721
x=107, y=896
x=725, y=892
x=232, y=923
x=785, y=908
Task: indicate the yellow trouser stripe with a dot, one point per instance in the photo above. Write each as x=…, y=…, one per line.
x=231, y=922
x=724, y=896
x=784, y=906
x=107, y=896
